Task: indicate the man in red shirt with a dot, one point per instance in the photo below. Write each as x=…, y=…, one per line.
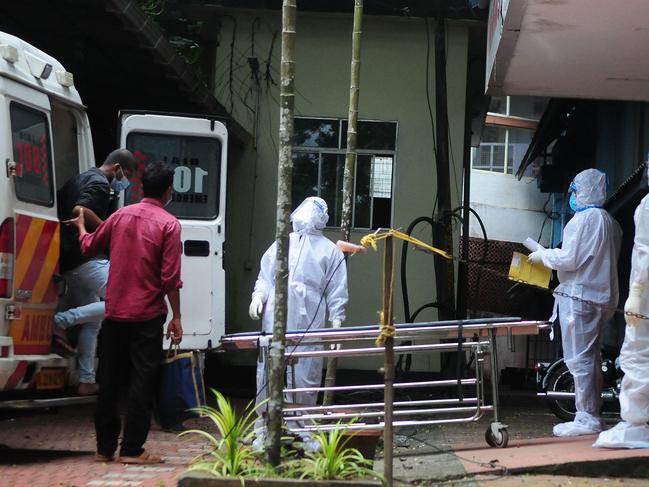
x=143, y=241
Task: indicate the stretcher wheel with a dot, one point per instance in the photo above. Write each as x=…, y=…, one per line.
x=498, y=440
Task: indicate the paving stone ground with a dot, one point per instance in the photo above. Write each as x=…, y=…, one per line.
x=57, y=449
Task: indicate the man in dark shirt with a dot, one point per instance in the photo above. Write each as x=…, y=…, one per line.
x=145, y=249
x=86, y=277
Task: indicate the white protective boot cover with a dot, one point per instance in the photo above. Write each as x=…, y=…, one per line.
x=584, y=424
x=624, y=435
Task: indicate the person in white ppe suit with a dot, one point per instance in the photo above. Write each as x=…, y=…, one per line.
x=317, y=282
x=632, y=431
x=587, y=271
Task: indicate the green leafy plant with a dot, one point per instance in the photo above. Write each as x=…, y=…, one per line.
x=231, y=454
x=152, y=7
x=334, y=460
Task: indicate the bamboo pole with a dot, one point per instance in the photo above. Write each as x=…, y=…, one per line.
x=350, y=156
x=388, y=359
x=350, y=160
x=284, y=174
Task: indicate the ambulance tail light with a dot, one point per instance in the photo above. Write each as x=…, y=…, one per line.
x=6, y=257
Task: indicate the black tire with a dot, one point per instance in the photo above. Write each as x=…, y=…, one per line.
x=495, y=442
x=560, y=380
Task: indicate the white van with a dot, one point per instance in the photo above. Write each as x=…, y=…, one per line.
x=45, y=139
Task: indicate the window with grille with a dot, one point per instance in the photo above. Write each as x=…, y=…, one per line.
x=319, y=162
x=503, y=145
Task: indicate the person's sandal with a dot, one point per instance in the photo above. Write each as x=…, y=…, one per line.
x=144, y=458
x=103, y=458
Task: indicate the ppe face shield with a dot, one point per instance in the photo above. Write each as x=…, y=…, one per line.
x=311, y=216
x=589, y=189
x=572, y=201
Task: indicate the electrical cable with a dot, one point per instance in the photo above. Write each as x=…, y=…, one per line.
x=430, y=110
x=450, y=140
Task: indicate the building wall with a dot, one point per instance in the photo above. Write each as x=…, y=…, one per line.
x=393, y=82
x=511, y=210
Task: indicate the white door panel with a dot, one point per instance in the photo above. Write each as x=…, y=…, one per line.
x=197, y=148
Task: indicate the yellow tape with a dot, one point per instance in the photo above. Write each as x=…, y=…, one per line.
x=371, y=239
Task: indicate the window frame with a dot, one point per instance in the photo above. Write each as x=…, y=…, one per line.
x=48, y=134
x=137, y=176
x=78, y=123
x=342, y=137
x=509, y=122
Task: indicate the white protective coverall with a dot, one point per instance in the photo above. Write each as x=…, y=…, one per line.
x=632, y=431
x=317, y=281
x=587, y=269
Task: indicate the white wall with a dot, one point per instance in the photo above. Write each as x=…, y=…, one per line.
x=511, y=210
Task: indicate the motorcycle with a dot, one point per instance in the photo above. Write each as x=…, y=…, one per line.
x=555, y=382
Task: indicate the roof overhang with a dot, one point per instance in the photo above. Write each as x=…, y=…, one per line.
x=569, y=48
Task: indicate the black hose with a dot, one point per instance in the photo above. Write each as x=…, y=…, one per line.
x=404, y=258
x=410, y=318
x=484, y=237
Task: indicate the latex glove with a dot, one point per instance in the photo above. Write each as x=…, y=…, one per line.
x=633, y=304
x=256, y=306
x=335, y=324
x=535, y=257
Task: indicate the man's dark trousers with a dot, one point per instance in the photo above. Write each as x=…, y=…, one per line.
x=132, y=349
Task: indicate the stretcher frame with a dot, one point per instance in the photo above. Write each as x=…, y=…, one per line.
x=475, y=336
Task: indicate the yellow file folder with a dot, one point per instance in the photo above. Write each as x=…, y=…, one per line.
x=523, y=271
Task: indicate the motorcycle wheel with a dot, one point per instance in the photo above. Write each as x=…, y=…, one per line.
x=561, y=380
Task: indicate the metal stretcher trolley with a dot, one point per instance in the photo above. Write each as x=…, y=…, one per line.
x=477, y=336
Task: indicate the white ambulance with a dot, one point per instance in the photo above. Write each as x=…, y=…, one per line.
x=45, y=139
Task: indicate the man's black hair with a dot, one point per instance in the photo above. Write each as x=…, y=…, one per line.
x=123, y=157
x=156, y=179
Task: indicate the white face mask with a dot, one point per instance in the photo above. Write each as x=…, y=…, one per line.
x=311, y=216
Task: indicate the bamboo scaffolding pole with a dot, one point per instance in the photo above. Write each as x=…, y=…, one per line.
x=350, y=159
x=284, y=175
x=387, y=317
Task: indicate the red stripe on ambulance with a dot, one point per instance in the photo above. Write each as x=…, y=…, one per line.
x=38, y=260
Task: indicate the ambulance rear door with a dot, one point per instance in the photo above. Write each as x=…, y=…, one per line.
x=30, y=199
x=197, y=148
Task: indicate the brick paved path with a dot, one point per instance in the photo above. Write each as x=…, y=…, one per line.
x=57, y=449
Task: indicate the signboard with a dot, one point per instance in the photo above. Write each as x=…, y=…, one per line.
x=32, y=333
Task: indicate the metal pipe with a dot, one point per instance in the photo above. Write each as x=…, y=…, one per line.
x=396, y=424
x=380, y=350
x=405, y=330
x=378, y=414
x=400, y=385
x=571, y=395
x=494, y=374
x=369, y=405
